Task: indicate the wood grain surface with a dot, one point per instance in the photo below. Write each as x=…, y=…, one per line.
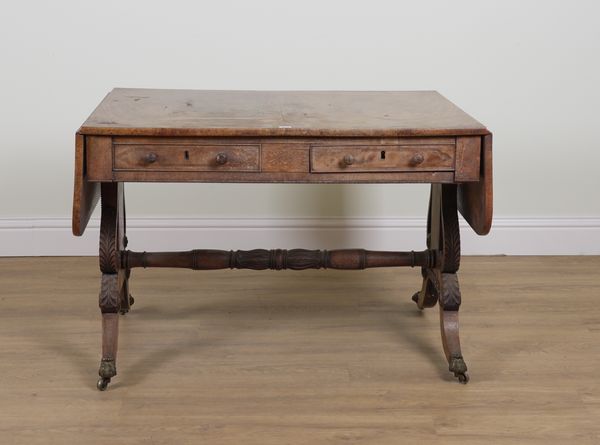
x=312, y=357
x=205, y=157
x=476, y=199
x=85, y=193
x=365, y=158
x=153, y=112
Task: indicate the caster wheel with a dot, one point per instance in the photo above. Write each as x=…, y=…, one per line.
x=415, y=297
x=124, y=311
x=430, y=297
x=462, y=378
x=102, y=384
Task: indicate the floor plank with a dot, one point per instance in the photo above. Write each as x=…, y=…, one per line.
x=231, y=357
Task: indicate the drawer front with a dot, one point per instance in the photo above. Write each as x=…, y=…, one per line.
x=381, y=158
x=218, y=157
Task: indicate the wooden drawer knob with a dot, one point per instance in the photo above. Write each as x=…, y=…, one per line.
x=348, y=160
x=221, y=158
x=151, y=158
x=417, y=159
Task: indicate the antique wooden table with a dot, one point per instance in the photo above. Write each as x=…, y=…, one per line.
x=144, y=135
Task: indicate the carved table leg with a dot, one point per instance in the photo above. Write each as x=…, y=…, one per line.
x=450, y=297
x=449, y=304
x=114, y=278
x=125, y=297
x=428, y=296
x=441, y=282
x=126, y=300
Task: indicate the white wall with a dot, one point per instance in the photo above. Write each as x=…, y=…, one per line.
x=527, y=69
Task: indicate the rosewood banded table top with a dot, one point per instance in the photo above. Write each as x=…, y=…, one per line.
x=147, y=135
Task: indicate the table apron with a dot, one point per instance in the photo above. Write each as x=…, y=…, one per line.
x=279, y=160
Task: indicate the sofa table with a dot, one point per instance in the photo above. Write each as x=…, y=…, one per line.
x=324, y=137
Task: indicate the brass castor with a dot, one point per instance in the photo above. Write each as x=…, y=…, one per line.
x=431, y=296
x=415, y=297
x=108, y=369
x=430, y=300
x=459, y=368
x=462, y=378
x=123, y=311
x=102, y=383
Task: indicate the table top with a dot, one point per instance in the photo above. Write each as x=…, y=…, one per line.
x=151, y=135
x=155, y=112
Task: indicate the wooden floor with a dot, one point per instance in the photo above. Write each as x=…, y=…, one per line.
x=313, y=357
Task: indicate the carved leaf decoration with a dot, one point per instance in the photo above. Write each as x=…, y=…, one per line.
x=257, y=259
x=109, y=293
x=451, y=230
x=297, y=259
x=451, y=246
x=450, y=298
x=300, y=259
x=108, y=247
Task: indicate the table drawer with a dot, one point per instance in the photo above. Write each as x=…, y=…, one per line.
x=381, y=158
x=163, y=157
